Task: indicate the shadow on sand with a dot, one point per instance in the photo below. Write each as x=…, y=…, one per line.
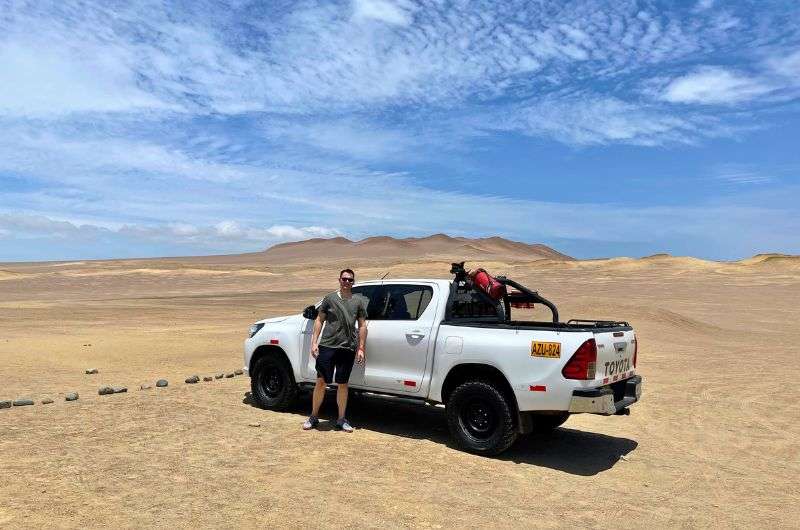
x=568, y=450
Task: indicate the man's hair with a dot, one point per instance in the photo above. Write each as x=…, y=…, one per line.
x=353, y=274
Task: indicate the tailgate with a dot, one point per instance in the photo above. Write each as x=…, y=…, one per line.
x=615, y=355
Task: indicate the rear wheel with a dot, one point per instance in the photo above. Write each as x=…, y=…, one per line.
x=272, y=383
x=480, y=418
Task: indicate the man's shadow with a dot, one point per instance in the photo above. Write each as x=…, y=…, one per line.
x=564, y=449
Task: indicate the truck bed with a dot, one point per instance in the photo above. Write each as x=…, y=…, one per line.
x=592, y=326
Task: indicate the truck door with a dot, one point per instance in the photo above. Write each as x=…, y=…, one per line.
x=399, y=338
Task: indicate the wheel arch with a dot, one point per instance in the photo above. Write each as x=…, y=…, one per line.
x=467, y=371
x=268, y=350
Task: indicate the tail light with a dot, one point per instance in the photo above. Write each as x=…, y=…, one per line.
x=635, y=349
x=582, y=363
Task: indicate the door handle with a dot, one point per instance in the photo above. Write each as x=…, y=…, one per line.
x=414, y=336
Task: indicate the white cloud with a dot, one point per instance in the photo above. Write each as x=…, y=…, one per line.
x=285, y=232
x=232, y=230
x=44, y=80
x=787, y=65
x=358, y=139
x=714, y=85
x=591, y=119
x=29, y=148
x=316, y=57
x=23, y=226
x=702, y=5
x=395, y=13
x=742, y=175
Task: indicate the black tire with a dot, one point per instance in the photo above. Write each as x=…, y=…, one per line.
x=480, y=418
x=272, y=383
x=545, y=423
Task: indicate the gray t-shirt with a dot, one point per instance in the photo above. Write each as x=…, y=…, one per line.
x=341, y=316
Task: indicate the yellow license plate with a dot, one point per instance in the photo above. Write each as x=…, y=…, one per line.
x=551, y=350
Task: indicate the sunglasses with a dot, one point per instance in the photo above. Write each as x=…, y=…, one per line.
x=351, y=280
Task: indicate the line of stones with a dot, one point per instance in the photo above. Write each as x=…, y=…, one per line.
x=106, y=390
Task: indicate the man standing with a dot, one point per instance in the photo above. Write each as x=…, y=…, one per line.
x=339, y=346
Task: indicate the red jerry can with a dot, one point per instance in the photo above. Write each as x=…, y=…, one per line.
x=487, y=283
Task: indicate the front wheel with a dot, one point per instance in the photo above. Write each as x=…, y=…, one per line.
x=480, y=418
x=272, y=383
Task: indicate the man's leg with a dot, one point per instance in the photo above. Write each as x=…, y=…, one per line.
x=324, y=375
x=341, y=399
x=344, y=365
x=318, y=396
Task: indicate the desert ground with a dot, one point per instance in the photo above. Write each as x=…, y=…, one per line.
x=715, y=440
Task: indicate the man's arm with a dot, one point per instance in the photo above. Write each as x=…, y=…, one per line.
x=362, y=340
x=315, y=336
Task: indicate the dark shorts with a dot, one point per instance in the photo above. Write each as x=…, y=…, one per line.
x=339, y=358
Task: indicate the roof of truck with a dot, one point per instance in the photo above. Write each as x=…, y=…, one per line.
x=405, y=280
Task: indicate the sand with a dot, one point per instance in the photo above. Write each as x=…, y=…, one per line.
x=714, y=441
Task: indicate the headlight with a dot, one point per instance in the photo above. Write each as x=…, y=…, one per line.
x=254, y=329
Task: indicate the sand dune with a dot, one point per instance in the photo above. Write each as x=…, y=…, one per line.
x=438, y=245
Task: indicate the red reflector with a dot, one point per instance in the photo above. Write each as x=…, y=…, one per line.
x=410, y=383
x=582, y=363
x=274, y=341
x=538, y=388
x=605, y=381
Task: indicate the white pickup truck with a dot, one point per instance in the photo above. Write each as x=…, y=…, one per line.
x=444, y=342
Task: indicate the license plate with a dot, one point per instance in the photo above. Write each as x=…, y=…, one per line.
x=551, y=350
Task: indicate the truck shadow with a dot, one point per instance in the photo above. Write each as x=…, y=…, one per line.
x=569, y=450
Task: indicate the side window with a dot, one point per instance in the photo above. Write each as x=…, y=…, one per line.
x=406, y=302
x=472, y=306
x=373, y=294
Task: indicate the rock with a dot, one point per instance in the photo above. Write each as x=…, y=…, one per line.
x=192, y=380
x=71, y=396
x=46, y=401
x=238, y=372
x=5, y=404
x=90, y=371
x=219, y=376
x=22, y=402
x=228, y=376
x=105, y=390
x=161, y=383
x=145, y=387
x=208, y=378
x=254, y=424
x=120, y=389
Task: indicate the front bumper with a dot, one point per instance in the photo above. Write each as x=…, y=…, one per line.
x=607, y=400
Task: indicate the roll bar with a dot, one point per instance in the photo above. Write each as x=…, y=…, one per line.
x=529, y=296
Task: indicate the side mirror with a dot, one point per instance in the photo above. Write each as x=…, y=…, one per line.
x=310, y=312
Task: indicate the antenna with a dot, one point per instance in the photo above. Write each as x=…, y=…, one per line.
x=385, y=275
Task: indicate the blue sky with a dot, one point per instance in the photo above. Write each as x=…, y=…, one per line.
x=600, y=128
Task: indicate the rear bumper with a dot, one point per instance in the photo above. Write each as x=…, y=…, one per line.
x=607, y=400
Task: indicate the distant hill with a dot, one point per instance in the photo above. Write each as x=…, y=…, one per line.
x=439, y=246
